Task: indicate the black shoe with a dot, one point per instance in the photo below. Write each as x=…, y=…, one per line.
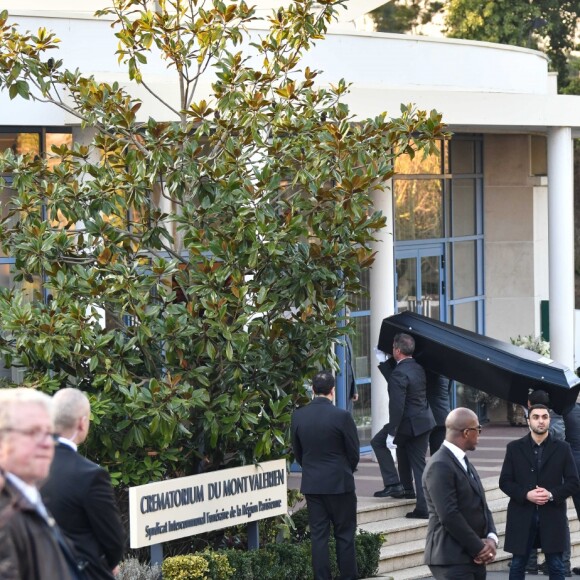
x=415, y=515
x=395, y=490
x=409, y=494
x=576, y=570
x=532, y=570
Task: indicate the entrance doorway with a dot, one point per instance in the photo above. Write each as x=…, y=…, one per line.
x=420, y=280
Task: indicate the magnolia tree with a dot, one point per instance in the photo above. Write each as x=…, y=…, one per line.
x=193, y=267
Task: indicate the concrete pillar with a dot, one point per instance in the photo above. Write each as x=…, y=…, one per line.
x=382, y=301
x=561, y=244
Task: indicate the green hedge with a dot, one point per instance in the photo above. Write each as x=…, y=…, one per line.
x=283, y=561
x=203, y=566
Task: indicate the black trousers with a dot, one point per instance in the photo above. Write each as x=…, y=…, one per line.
x=340, y=509
x=459, y=572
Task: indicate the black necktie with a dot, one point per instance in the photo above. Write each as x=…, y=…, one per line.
x=469, y=468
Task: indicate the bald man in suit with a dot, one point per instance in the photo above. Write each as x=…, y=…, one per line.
x=461, y=535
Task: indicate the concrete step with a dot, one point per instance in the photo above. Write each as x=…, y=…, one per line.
x=399, y=529
x=403, y=551
x=410, y=554
x=377, y=509
x=500, y=565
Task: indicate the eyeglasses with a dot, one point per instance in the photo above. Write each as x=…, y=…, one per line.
x=35, y=433
x=478, y=428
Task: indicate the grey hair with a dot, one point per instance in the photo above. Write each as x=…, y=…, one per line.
x=20, y=396
x=69, y=405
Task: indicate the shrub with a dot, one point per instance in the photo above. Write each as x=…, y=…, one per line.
x=291, y=561
x=190, y=567
x=247, y=564
x=132, y=569
x=218, y=566
x=204, y=565
x=284, y=561
x=301, y=530
x=368, y=553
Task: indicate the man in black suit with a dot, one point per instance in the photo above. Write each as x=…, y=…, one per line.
x=79, y=493
x=461, y=536
x=438, y=399
x=410, y=422
x=325, y=443
x=557, y=430
x=538, y=474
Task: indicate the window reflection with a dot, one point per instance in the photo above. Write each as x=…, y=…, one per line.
x=30, y=290
x=464, y=206
x=361, y=358
x=20, y=143
x=30, y=142
x=361, y=346
x=407, y=285
x=464, y=269
x=56, y=139
x=465, y=315
x=363, y=301
x=434, y=163
x=418, y=209
x=462, y=156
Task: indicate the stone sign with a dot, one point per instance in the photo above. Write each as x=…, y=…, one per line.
x=176, y=508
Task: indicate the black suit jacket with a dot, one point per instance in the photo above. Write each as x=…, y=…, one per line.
x=326, y=445
x=79, y=495
x=458, y=513
x=438, y=396
x=409, y=412
x=520, y=474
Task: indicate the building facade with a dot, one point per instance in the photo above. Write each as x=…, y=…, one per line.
x=477, y=236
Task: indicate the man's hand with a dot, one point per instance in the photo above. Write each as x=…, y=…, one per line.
x=355, y=398
x=391, y=442
x=487, y=553
x=539, y=496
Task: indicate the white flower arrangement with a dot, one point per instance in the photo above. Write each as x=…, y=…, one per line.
x=535, y=344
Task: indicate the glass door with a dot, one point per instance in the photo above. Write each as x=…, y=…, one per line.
x=419, y=281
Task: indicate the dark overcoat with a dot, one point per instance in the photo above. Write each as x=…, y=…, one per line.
x=519, y=475
x=79, y=495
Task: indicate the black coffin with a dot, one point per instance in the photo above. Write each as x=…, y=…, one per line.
x=490, y=365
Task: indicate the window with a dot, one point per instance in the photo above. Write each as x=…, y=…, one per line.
x=438, y=222
x=22, y=141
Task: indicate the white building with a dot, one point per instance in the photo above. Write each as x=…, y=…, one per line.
x=496, y=238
